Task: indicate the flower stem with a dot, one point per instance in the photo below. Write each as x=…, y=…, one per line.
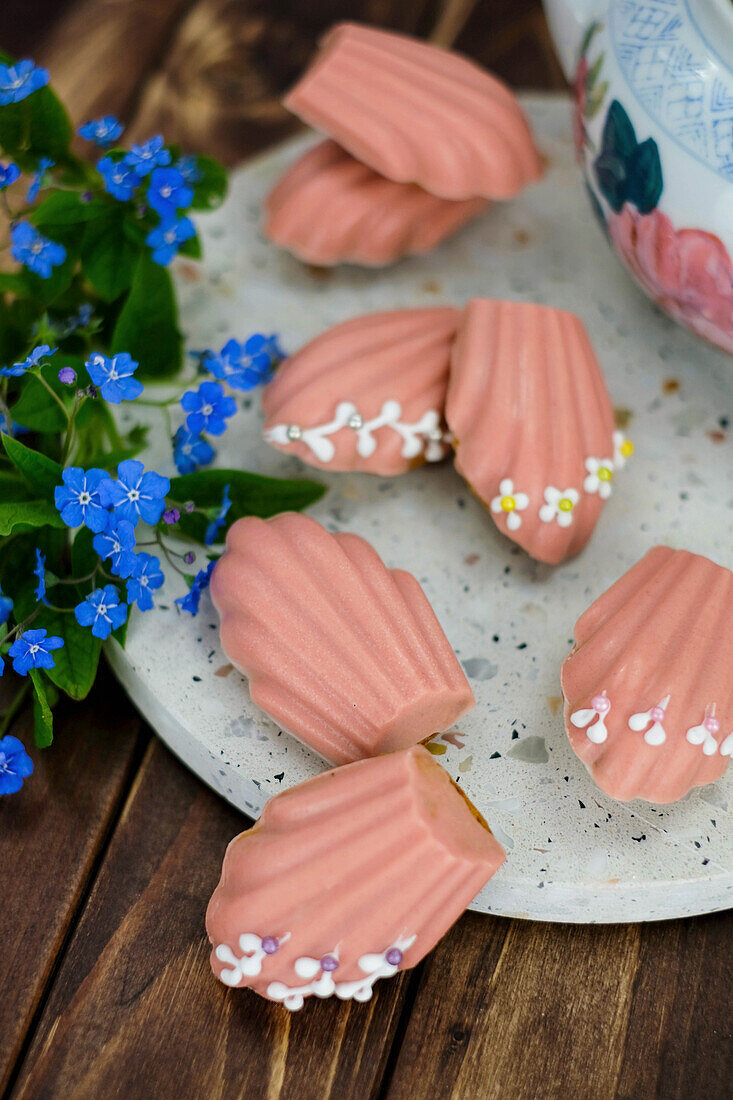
x=54, y=395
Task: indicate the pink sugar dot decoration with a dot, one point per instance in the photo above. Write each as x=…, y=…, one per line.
x=600, y=703
x=712, y=725
x=657, y=714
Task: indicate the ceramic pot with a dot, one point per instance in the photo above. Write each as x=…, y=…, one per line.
x=653, y=123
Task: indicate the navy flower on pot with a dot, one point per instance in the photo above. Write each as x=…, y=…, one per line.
x=627, y=170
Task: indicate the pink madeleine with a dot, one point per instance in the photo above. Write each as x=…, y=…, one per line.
x=417, y=113
x=533, y=424
x=342, y=652
x=348, y=878
x=329, y=209
x=648, y=687
x=367, y=394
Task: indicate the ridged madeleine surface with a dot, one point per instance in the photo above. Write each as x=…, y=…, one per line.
x=532, y=424
x=367, y=394
x=417, y=113
x=347, y=878
x=342, y=652
x=648, y=687
x=329, y=209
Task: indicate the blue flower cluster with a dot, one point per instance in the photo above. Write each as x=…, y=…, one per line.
x=15, y=765
x=113, y=376
x=111, y=509
x=33, y=360
x=102, y=131
x=9, y=173
x=190, y=602
x=39, y=254
x=19, y=81
x=43, y=166
x=169, y=190
x=242, y=366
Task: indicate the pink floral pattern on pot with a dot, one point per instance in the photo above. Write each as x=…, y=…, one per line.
x=687, y=272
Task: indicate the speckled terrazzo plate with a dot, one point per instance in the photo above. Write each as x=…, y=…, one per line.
x=573, y=853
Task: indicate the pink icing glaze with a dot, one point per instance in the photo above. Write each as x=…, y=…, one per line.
x=527, y=403
x=329, y=208
x=416, y=113
x=687, y=272
x=342, y=652
x=400, y=356
x=349, y=863
x=664, y=629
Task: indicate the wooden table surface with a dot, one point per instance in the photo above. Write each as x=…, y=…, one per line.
x=109, y=855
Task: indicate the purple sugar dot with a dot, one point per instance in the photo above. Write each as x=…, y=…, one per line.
x=394, y=956
x=329, y=962
x=270, y=945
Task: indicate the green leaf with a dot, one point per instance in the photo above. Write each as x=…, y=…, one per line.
x=84, y=558
x=15, y=283
x=12, y=487
x=147, y=327
x=36, y=408
x=42, y=714
x=594, y=71
x=210, y=189
x=588, y=36
x=191, y=247
x=108, y=255
x=41, y=473
x=594, y=102
x=645, y=177
x=619, y=137
x=37, y=126
x=27, y=513
x=251, y=495
x=46, y=290
x=76, y=663
x=67, y=208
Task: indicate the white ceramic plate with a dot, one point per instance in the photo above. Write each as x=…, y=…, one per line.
x=573, y=853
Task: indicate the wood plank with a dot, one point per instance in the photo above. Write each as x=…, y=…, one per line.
x=135, y=1010
x=50, y=835
x=100, y=50
x=592, y=1012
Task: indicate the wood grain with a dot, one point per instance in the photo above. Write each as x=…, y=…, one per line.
x=50, y=835
x=135, y=1011
x=99, y=51
x=524, y=1010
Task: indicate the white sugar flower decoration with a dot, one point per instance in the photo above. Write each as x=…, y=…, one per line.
x=623, y=448
x=600, y=475
x=510, y=503
x=559, y=505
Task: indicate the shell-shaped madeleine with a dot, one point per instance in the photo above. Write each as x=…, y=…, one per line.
x=417, y=113
x=648, y=687
x=329, y=208
x=348, y=878
x=367, y=394
x=532, y=424
x=342, y=652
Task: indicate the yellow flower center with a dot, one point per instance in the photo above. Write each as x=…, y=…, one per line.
x=604, y=474
x=508, y=504
x=565, y=504
x=626, y=448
